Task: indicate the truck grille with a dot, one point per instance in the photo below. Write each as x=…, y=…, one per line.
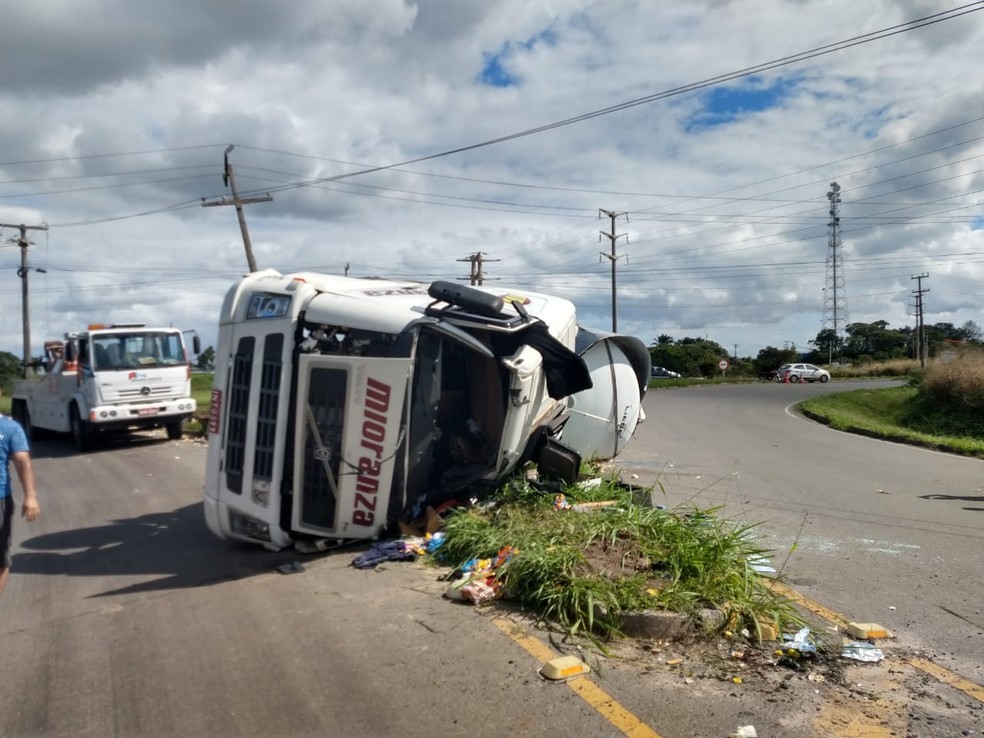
x=326, y=400
x=268, y=394
x=136, y=394
x=266, y=421
x=239, y=382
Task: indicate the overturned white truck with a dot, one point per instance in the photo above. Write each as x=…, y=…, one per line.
x=341, y=405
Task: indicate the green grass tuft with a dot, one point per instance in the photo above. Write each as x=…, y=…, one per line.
x=584, y=570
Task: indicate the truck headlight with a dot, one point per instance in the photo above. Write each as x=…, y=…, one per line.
x=247, y=525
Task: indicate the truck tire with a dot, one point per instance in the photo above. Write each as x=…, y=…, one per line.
x=22, y=415
x=82, y=435
x=174, y=430
x=17, y=410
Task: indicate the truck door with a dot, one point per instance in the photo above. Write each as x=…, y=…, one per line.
x=347, y=433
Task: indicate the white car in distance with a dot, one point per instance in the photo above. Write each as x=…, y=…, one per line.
x=807, y=373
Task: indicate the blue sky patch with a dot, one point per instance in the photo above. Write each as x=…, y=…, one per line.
x=977, y=223
x=495, y=72
x=728, y=104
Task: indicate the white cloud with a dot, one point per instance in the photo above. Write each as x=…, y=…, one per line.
x=126, y=109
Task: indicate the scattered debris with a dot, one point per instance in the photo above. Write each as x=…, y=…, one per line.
x=767, y=632
x=477, y=581
x=761, y=564
x=799, y=642
x=868, y=631
x=746, y=731
x=402, y=550
x=861, y=651
x=561, y=503
x=294, y=567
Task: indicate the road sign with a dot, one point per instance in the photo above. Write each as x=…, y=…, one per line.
x=723, y=364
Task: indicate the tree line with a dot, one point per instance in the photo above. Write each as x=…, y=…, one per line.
x=861, y=342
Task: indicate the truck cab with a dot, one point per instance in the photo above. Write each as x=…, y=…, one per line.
x=341, y=405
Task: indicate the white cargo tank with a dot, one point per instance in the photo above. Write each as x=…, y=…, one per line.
x=619, y=369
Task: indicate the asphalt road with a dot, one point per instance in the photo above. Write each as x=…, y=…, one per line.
x=877, y=531
x=125, y=617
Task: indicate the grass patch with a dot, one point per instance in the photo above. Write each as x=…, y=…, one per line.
x=876, y=369
x=583, y=571
x=901, y=414
x=201, y=389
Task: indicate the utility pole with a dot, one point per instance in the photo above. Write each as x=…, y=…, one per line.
x=613, y=258
x=22, y=272
x=477, y=276
x=919, y=349
x=229, y=178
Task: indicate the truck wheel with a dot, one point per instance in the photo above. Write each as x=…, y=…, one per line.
x=81, y=433
x=22, y=415
x=174, y=430
x=25, y=421
x=17, y=412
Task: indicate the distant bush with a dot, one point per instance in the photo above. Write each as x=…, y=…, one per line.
x=866, y=369
x=956, y=381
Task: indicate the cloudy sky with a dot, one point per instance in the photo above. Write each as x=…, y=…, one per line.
x=399, y=138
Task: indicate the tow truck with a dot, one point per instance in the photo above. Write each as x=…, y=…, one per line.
x=108, y=378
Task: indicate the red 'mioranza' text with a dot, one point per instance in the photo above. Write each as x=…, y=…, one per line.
x=373, y=438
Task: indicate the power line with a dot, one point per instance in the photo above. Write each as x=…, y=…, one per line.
x=673, y=92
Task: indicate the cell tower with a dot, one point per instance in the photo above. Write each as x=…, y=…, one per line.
x=834, y=294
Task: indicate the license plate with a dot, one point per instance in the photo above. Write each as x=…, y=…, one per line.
x=147, y=411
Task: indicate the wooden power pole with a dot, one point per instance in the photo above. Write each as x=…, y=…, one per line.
x=22, y=272
x=477, y=260
x=920, y=342
x=229, y=178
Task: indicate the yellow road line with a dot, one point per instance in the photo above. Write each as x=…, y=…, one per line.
x=940, y=673
x=948, y=677
x=814, y=607
x=595, y=696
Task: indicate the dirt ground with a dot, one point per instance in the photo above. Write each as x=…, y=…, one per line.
x=784, y=693
x=779, y=691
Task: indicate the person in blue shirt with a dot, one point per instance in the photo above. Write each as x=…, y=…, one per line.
x=14, y=447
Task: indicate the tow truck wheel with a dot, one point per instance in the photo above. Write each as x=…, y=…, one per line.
x=81, y=433
x=22, y=415
x=25, y=421
x=174, y=430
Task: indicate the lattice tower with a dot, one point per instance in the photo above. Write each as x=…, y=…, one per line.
x=834, y=293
